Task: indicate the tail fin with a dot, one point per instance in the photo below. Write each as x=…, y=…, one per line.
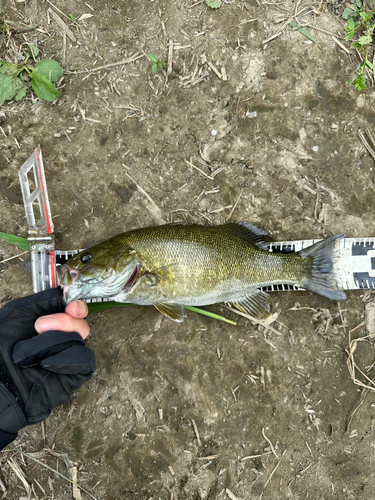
x=324, y=278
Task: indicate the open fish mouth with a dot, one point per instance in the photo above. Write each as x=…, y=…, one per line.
x=77, y=286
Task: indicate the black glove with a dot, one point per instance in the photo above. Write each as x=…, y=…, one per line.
x=37, y=372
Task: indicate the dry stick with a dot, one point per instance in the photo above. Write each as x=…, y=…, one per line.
x=199, y=170
x=238, y=199
x=17, y=470
x=119, y=63
x=254, y=320
x=365, y=143
x=340, y=45
x=62, y=25
x=231, y=495
x=142, y=190
x=14, y=257
x=170, y=57
x=272, y=473
x=58, y=10
x=196, y=432
x=269, y=442
x=218, y=74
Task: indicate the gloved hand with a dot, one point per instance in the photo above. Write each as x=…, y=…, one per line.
x=38, y=372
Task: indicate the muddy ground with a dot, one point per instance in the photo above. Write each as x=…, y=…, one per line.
x=276, y=412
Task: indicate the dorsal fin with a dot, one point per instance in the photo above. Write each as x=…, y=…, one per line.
x=247, y=231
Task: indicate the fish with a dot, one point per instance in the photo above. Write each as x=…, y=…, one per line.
x=172, y=266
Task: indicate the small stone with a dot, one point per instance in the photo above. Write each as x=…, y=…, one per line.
x=315, y=148
x=214, y=132
x=251, y=114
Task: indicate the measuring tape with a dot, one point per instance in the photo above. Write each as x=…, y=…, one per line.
x=356, y=262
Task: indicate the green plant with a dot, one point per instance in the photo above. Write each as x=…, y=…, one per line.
x=13, y=79
x=362, y=22
x=156, y=64
x=214, y=4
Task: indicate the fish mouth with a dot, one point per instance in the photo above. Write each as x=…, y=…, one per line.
x=76, y=287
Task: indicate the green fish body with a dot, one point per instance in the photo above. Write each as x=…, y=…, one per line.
x=175, y=265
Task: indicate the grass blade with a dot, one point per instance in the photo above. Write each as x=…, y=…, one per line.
x=15, y=240
x=51, y=469
x=101, y=306
x=293, y=24
x=210, y=314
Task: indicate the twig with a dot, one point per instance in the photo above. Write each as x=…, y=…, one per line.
x=58, y=10
x=272, y=473
x=269, y=442
x=170, y=57
x=119, y=63
x=14, y=257
x=216, y=71
x=365, y=143
x=234, y=206
x=62, y=25
x=142, y=190
x=196, y=432
x=199, y=170
x=340, y=45
x=254, y=320
x=231, y=495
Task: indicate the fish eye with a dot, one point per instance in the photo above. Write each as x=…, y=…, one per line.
x=85, y=258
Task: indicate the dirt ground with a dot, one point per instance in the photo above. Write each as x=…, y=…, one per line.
x=203, y=409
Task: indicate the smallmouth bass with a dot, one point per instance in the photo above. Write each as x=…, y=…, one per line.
x=176, y=265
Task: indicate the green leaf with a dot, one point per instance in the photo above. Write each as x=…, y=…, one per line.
x=11, y=87
x=350, y=35
x=347, y=13
x=49, y=68
x=42, y=87
x=153, y=58
x=10, y=69
x=359, y=3
x=155, y=68
x=370, y=65
x=19, y=242
x=359, y=82
x=34, y=50
x=293, y=24
x=351, y=23
x=364, y=40
x=214, y=4
x=356, y=45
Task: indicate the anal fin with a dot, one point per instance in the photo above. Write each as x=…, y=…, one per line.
x=172, y=311
x=256, y=304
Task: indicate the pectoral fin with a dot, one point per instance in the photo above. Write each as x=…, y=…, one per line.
x=257, y=304
x=172, y=311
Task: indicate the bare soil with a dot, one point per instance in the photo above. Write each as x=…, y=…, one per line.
x=199, y=410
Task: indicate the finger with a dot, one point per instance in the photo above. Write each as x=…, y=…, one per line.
x=63, y=322
x=77, y=309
